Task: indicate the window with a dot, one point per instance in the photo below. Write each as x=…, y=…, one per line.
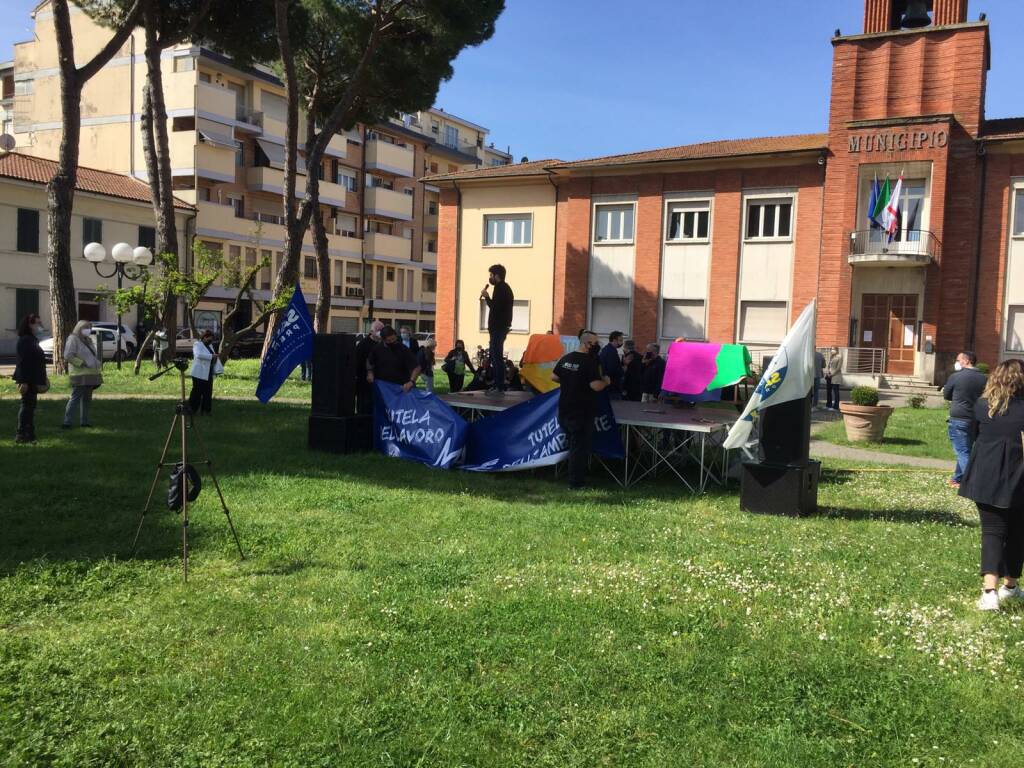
x=239, y=154
x=408, y=232
x=763, y=321
x=184, y=64
x=409, y=285
x=609, y=314
x=435, y=127
x=352, y=273
x=769, y=219
x=28, y=230
x=391, y=274
x=309, y=267
x=266, y=258
x=431, y=246
x=24, y=87
x=147, y=237
x=508, y=230
x=1018, y=212
x=401, y=283
x=520, y=316
x=345, y=225
x=346, y=178
x=613, y=224
x=431, y=207
x=92, y=231
x=26, y=302
x=409, y=191
x=426, y=326
x=204, y=77
x=250, y=257
x=8, y=127
x=453, y=168
x=682, y=319
x=688, y=221
x=911, y=210
x=1014, y=330
x=429, y=284
x=379, y=285
x=433, y=167
x=344, y=325
x=239, y=205
x=379, y=181
x=451, y=136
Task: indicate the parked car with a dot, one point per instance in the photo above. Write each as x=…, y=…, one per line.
x=127, y=334
x=250, y=345
x=107, y=338
x=423, y=336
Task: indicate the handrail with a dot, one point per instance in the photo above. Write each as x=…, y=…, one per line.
x=907, y=242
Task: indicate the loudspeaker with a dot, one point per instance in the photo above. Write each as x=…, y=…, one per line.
x=341, y=434
x=774, y=489
x=334, y=374
x=786, y=432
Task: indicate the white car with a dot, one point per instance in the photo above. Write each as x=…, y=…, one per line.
x=107, y=337
x=127, y=334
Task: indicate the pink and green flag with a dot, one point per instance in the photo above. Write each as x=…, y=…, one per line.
x=694, y=368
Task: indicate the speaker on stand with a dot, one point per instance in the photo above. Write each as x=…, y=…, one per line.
x=333, y=423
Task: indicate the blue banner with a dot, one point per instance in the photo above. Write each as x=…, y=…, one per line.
x=291, y=344
x=416, y=425
x=528, y=435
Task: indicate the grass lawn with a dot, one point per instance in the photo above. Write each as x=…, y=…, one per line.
x=392, y=615
x=910, y=432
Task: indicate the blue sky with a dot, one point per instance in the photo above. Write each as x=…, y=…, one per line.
x=581, y=78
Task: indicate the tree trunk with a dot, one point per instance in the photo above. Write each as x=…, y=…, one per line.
x=323, y=274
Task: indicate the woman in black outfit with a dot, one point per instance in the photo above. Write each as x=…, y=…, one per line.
x=994, y=480
x=456, y=363
x=30, y=375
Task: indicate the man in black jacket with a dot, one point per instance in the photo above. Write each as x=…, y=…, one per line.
x=499, y=320
x=654, y=372
x=392, y=361
x=579, y=378
x=963, y=389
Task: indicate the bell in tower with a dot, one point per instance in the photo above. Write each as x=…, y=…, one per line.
x=911, y=14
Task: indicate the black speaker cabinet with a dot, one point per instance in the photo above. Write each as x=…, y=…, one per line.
x=775, y=489
x=786, y=432
x=334, y=374
x=341, y=434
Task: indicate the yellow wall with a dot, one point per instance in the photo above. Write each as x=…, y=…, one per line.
x=530, y=268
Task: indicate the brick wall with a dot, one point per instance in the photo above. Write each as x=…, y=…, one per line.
x=447, y=272
x=572, y=256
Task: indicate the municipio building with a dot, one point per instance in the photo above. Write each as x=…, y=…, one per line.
x=728, y=241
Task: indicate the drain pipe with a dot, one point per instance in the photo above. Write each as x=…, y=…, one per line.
x=554, y=254
x=458, y=261
x=983, y=154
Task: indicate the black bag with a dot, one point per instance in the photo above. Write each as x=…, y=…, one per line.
x=179, y=478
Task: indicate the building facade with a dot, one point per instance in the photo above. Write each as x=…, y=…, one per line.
x=728, y=241
x=226, y=126
x=110, y=208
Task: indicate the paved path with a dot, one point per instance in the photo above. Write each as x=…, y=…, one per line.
x=822, y=450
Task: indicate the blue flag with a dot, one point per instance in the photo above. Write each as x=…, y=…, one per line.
x=292, y=343
x=528, y=435
x=876, y=192
x=417, y=426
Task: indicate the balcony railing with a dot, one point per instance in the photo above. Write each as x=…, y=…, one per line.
x=264, y=218
x=910, y=247
x=867, y=360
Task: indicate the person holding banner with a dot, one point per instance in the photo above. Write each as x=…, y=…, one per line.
x=364, y=392
x=579, y=377
x=392, y=361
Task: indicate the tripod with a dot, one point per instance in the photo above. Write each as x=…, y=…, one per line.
x=184, y=418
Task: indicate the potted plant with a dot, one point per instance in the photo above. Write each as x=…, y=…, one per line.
x=863, y=417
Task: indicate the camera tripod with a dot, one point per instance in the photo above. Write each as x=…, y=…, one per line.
x=185, y=420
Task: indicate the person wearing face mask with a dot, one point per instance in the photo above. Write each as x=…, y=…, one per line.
x=499, y=321
x=456, y=363
x=579, y=377
x=30, y=376
x=654, y=373
x=833, y=378
x=611, y=364
x=364, y=392
x=962, y=390
x=84, y=371
x=632, y=372
x=205, y=366
x=392, y=361
x=405, y=334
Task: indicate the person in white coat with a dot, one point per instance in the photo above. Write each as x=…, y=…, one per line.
x=84, y=371
x=205, y=365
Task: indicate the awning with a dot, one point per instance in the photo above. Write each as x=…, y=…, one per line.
x=217, y=139
x=275, y=155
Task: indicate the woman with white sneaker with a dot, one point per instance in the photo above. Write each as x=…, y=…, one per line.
x=994, y=480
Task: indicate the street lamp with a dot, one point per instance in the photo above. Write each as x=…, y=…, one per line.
x=128, y=262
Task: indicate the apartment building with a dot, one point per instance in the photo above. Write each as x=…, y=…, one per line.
x=110, y=208
x=728, y=241
x=7, y=98
x=226, y=127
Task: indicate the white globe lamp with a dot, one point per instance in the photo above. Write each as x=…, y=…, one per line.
x=122, y=253
x=95, y=253
x=142, y=256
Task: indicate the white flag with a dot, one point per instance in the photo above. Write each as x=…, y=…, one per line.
x=789, y=377
x=891, y=215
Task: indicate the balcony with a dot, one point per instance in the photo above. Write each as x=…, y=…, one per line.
x=214, y=161
x=215, y=103
x=911, y=248
x=430, y=222
x=429, y=257
x=389, y=158
x=262, y=179
x=388, y=247
x=387, y=202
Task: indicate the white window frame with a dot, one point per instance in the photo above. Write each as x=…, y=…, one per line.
x=485, y=312
x=1010, y=311
x=684, y=205
x=631, y=205
x=527, y=217
x=763, y=200
x=740, y=318
x=1016, y=209
x=627, y=328
x=662, y=336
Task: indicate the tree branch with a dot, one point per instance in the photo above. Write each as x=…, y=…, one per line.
x=106, y=53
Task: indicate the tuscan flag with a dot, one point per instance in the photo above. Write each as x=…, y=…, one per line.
x=891, y=217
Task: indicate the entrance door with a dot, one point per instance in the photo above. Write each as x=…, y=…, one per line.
x=889, y=322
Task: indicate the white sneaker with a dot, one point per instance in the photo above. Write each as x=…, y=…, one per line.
x=989, y=601
x=1008, y=593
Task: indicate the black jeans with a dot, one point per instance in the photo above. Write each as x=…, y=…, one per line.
x=201, y=396
x=497, y=355
x=455, y=382
x=27, y=414
x=578, y=430
x=831, y=393
x=364, y=397
x=1002, y=540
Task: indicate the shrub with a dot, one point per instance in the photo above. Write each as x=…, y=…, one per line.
x=983, y=367
x=864, y=396
x=916, y=401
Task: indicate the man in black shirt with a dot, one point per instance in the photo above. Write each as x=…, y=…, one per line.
x=364, y=392
x=654, y=372
x=579, y=377
x=499, y=320
x=392, y=361
x=963, y=389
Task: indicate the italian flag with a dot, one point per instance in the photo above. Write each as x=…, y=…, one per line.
x=891, y=216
